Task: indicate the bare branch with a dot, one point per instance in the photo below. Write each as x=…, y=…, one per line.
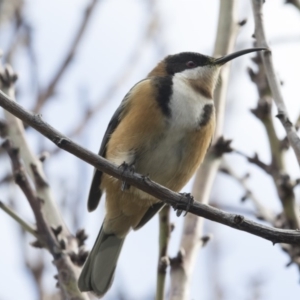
x=3, y=128
x=256, y=161
x=273, y=80
x=16, y=133
x=263, y=112
x=145, y=184
x=36, y=268
x=178, y=273
x=263, y=212
x=277, y=168
x=47, y=237
x=16, y=37
x=47, y=214
x=6, y=178
x=19, y=220
x=50, y=90
x=163, y=259
x=44, y=232
x=284, y=187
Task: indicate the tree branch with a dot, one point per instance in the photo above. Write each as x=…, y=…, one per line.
x=47, y=236
x=145, y=184
x=163, y=259
x=263, y=111
x=44, y=231
x=178, y=273
x=47, y=214
x=256, y=161
x=49, y=91
x=15, y=132
x=273, y=80
x=277, y=168
x=262, y=212
x=18, y=219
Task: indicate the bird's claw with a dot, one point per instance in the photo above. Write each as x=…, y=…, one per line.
x=190, y=200
x=129, y=169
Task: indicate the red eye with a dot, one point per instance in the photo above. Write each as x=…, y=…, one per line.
x=190, y=64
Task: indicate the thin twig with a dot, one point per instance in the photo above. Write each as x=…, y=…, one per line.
x=36, y=266
x=263, y=212
x=16, y=37
x=256, y=161
x=273, y=80
x=163, y=259
x=6, y=178
x=277, y=168
x=284, y=187
x=263, y=111
x=50, y=89
x=19, y=220
x=145, y=184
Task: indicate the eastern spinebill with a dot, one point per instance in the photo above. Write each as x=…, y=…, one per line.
x=163, y=127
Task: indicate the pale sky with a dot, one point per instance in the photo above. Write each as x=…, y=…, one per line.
x=113, y=34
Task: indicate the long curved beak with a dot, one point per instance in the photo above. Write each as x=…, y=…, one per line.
x=229, y=57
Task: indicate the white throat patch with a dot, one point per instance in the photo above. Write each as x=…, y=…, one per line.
x=186, y=103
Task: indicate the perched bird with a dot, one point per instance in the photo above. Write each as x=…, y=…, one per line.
x=163, y=129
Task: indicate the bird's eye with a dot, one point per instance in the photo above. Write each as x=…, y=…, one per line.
x=191, y=64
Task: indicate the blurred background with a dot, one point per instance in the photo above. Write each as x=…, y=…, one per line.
x=76, y=60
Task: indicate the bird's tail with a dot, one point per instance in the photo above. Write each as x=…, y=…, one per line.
x=98, y=271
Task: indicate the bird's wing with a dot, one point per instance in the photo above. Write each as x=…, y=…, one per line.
x=95, y=191
x=155, y=208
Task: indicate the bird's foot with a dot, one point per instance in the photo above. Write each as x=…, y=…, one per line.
x=187, y=199
x=129, y=169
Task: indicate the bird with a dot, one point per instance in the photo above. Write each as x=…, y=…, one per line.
x=162, y=129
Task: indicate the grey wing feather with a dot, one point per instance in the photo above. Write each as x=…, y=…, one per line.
x=95, y=191
x=98, y=271
x=149, y=214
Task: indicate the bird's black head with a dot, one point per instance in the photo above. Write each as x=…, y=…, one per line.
x=199, y=70
x=186, y=60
